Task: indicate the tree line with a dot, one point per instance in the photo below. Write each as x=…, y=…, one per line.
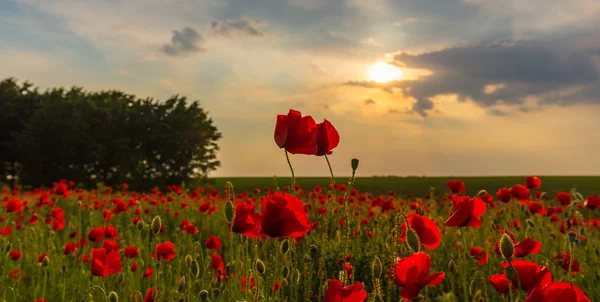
x=108, y=137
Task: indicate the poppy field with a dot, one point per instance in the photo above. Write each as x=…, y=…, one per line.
x=291, y=242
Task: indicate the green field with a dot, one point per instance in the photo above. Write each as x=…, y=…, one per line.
x=420, y=186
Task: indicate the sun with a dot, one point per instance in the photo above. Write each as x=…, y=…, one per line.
x=382, y=72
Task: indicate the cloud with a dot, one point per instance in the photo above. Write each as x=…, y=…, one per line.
x=369, y=102
x=560, y=72
x=236, y=27
x=496, y=112
x=393, y=111
x=184, y=42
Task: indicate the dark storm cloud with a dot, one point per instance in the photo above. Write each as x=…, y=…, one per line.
x=231, y=28
x=184, y=42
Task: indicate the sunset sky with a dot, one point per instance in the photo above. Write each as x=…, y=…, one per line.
x=414, y=87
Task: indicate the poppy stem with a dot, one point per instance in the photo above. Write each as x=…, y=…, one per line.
x=293, y=175
x=463, y=272
x=330, y=170
x=571, y=262
x=92, y=288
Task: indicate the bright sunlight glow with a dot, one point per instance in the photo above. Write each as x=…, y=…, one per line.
x=382, y=72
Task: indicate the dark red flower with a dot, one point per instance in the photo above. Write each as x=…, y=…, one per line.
x=479, y=254
x=527, y=246
x=111, y=232
x=558, y=292
x=532, y=182
x=592, y=202
x=504, y=195
x=427, y=231
x=70, y=247
x=563, y=258
x=15, y=255
x=247, y=221
x=213, y=243
x=465, y=211
x=148, y=272
x=297, y=134
x=327, y=138
x=564, y=198
x=412, y=274
x=111, y=245
x=218, y=265
x=150, y=294
x=530, y=275
x=105, y=263
x=337, y=292
x=134, y=266
x=521, y=193
x=14, y=206
x=96, y=234
x=456, y=186
x=131, y=252
x=536, y=207
x=283, y=216
x=165, y=251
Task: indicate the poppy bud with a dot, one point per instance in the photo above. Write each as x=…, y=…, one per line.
x=481, y=194
x=195, y=268
x=203, y=295
x=572, y=237
x=297, y=276
x=121, y=278
x=260, y=266
x=63, y=269
x=113, y=297
x=181, y=284
x=530, y=223
x=420, y=211
x=377, y=267
x=544, y=197
x=229, y=211
x=285, y=246
x=140, y=224
x=188, y=261
x=413, y=240
x=157, y=264
x=285, y=272
x=354, y=164
x=216, y=293
x=314, y=251
x=506, y=246
x=452, y=266
x=510, y=272
x=45, y=261
x=156, y=224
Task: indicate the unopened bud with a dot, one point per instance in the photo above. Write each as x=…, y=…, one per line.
x=140, y=224
x=544, y=197
x=45, y=261
x=377, y=267
x=313, y=251
x=530, y=223
x=188, y=261
x=260, y=266
x=506, y=247
x=181, y=284
x=229, y=211
x=481, y=194
x=285, y=272
x=156, y=224
x=572, y=237
x=113, y=297
x=216, y=293
x=354, y=164
x=203, y=295
x=452, y=266
x=413, y=240
x=285, y=246
x=195, y=268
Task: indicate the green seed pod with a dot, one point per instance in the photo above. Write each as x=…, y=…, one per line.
x=229, y=211
x=413, y=240
x=377, y=267
x=181, y=284
x=203, y=295
x=354, y=164
x=285, y=246
x=507, y=247
x=260, y=267
x=156, y=224
x=113, y=297
x=188, y=261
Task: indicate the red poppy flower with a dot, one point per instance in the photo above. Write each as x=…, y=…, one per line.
x=479, y=254
x=247, y=221
x=14, y=206
x=564, y=198
x=504, y=195
x=40, y=258
x=465, y=211
x=276, y=286
x=412, y=274
x=111, y=232
x=532, y=182
x=165, y=251
x=70, y=247
x=456, y=187
x=427, y=231
x=105, y=263
x=15, y=255
x=558, y=292
x=336, y=292
x=150, y=294
x=563, y=258
x=111, y=245
x=521, y=193
x=131, y=252
x=148, y=272
x=218, y=265
x=297, y=134
x=327, y=138
x=213, y=243
x=134, y=266
x=536, y=207
x=527, y=246
x=592, y=202
x=96, y=234
x=283, y=216
x=40, y=300
x=530, y=275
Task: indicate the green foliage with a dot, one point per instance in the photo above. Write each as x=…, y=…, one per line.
x=108, y=136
